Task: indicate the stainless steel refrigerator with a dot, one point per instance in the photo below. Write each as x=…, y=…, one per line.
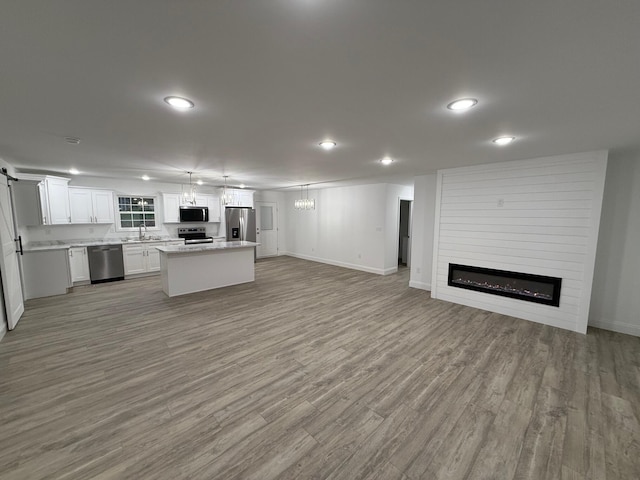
x=241, y=224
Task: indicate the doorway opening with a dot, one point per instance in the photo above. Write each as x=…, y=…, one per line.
x=404, y=240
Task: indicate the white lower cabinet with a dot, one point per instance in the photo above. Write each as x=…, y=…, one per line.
x=45, y=273
x=141, y=258
x=79, y=264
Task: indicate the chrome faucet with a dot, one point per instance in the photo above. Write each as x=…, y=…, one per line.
x=141, y=236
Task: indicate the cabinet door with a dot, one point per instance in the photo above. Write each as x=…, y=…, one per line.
x=43, y=197
x=214, y=208
x=58, y=196
x=245, y=199
x=102, y=201
x=153, y=259
x=80, y=205
x=171, y=207
x=134, y=259
x=78, y=264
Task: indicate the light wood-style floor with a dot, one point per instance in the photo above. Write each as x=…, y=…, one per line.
x=312, y=371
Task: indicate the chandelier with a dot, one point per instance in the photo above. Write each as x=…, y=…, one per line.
x=189, y=192
x=304, y=202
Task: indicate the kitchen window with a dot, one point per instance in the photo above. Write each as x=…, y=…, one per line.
x=136, y=211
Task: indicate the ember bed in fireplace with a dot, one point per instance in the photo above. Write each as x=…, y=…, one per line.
x=523, y=286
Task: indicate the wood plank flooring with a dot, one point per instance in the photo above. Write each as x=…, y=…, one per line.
x=310, y=372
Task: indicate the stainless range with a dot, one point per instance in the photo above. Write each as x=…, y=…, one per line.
x=194, y=235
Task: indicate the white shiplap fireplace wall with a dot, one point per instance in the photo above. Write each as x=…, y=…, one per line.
x=537, y=216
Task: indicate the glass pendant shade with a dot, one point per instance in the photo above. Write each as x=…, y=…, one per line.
x=304, y=202
x=189, y=192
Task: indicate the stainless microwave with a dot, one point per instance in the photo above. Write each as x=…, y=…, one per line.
x=191, y=214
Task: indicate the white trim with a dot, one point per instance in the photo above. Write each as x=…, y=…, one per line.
x=352, y=266
x=397, y=256
x=620, y=327
x=436, y=237
x=3, y=329
x=420, y=285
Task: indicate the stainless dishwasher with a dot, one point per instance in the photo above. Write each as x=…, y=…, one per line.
x=105, y=263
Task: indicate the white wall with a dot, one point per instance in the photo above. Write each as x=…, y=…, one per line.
x=615, y=299
x=354, y=227
x=537, y=216
x=424, y=212
x=39, y=233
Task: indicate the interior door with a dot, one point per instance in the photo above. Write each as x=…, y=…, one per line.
x=266, y=229
x=9, y=267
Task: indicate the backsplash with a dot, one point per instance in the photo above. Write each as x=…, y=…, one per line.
x=51, y=233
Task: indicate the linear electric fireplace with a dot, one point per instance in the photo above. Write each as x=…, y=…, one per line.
x=523, y=286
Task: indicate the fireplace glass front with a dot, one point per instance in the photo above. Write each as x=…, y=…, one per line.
x=523, y=286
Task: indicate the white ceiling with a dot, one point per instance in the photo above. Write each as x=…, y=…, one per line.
x=271, y=78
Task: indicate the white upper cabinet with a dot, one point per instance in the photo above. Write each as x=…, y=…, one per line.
x=213, y=203
x=240, y=198
x=102, y=201
x=80, y=205
x=171, y=204
x=91, y=206
x=54, y=200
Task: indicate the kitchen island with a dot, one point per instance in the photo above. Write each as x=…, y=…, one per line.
x=194, y=268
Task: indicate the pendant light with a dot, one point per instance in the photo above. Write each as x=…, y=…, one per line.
x=227, y=198
x=189, y=192
x=304, y=203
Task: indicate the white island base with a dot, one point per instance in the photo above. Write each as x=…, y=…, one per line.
x=194, y=268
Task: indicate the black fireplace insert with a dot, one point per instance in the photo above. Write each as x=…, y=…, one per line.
x=523, y=286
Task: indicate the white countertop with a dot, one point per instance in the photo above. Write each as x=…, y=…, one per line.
x=205, y=247
x=64, y=244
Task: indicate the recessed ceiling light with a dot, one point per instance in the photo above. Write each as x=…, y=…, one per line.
x=503, y=140
x=74, y=171
x=179, y=103
x=328, y=144
x=462, y=104
x=145, y=177
x=199, y=182
x=386, y=161
x=72, y=140
x=242, y=185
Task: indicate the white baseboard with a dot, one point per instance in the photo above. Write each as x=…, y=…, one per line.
x=620, y=327
x=352, y=266
x=420, y=285
x=3, y=329
x=390, y=270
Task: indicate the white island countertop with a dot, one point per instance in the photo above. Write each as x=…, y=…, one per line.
x=205, y=266
x=205, y=247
